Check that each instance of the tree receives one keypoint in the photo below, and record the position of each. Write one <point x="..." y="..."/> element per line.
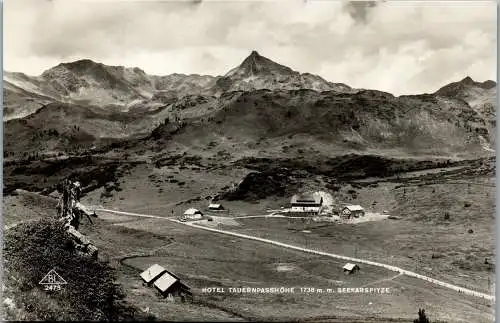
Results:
<point x="422" y="318"/>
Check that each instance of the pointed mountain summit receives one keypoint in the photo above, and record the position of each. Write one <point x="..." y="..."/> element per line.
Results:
<point x="256" y="64"/>
<point x="468" y="81"/>
<point x="259" y="72"/>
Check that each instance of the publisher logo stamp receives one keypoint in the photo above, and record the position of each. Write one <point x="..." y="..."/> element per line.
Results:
<point x="52" y="281"/>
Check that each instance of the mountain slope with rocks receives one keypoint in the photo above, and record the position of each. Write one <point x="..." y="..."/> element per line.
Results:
<point x="117" y="87"/>
<point x="90" y="83"/>
<point x="331" y="121"/>
<point x="481" y="96"/>
<point x="258" y="103"/>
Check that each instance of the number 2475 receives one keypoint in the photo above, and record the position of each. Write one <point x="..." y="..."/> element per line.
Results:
<point x="54" y="287"/>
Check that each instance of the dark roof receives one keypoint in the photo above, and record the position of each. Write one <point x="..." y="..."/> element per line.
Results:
<point x="307" y="198"/>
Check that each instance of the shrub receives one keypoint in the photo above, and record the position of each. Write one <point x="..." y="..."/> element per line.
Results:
<point x="32" y="250"/>
<point x="422" y="318"/>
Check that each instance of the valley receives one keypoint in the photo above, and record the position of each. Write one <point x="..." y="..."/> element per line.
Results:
<point x="250" y="140"/>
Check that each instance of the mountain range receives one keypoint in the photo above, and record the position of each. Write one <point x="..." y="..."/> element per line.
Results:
<point x="83" y="104"/>
<point x="88" y="82"/>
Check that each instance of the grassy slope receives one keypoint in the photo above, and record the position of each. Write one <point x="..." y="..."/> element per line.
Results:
<point x="203" y="259"/>
<point x="32" y="250"/>
<point x="92" y="286"/>
<point x="432" y="236"/>
<point x="409" y="242"/>
<point x="216" y="265"/>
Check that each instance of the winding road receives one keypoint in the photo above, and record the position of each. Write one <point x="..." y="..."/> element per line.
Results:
<point x="317" y="252"/>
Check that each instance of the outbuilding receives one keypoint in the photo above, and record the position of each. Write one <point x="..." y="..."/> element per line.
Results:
<point x="349" y="211"/>
<point x="168" y="283"/>
<point x="215" y="207"/>
<point x="350" y="268"/>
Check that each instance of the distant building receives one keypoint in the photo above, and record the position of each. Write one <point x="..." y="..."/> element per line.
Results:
<point x="152" y="273"/>
<point x="215" y="207"/>
<point x="350" y="268"/>
<point x="306" y="203"/>
<point x="350" y="211"/>
<point x="168" y="283"/>
<point x="193" y="214"/>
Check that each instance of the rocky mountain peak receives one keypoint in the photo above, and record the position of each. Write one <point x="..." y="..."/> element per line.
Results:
<point x="468" y="81"/>
<point x="256" y="64"/>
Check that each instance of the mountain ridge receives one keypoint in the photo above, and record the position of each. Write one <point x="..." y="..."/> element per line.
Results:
<point x="87" y="81"/>
<point x="259" y="101"/>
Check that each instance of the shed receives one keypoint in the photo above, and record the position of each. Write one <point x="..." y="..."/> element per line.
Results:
<point x="350" y="268"/>
<point x="168" y="283"/>
<point x="214" y="206"/>
<point x="353" y="211"/>
<point x="152" y="273"/>
<point x="193" y="213"/>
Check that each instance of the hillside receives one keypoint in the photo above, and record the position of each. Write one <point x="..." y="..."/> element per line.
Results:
<point x="260" y="105"/>
<point x="481" y="96"/>
<point x="20" y="97"/>
<point x="330" y="121"/>
<point x="61" y="127"/>
<point x="91" y="292"/>
<point x="92" y="83"/>
<point x="470" y="91"/>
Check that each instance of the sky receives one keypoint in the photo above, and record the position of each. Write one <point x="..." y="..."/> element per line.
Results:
<point x="402" y="47"/>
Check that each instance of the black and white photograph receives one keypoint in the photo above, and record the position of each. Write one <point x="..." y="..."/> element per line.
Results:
<point x="249" y="160"/>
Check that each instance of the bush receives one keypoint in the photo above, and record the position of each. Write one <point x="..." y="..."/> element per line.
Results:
<point x="422" y="318"/>
<point x="32" y="250"/>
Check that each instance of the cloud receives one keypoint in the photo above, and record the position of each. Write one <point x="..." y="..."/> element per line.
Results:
<point x="399" y="47"/>
<point x="359" y="10"/>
